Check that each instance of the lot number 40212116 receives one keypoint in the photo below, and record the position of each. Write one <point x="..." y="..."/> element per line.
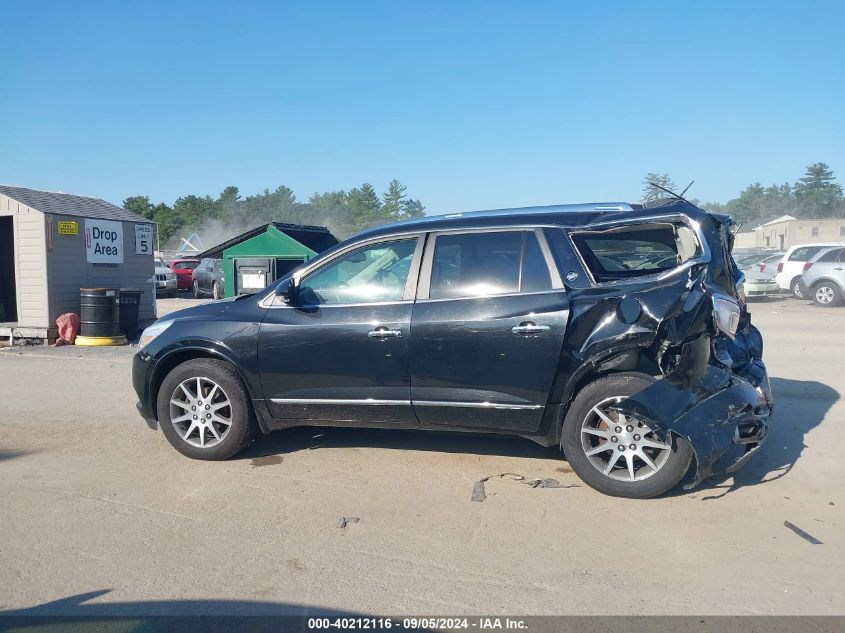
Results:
<point x="143" y="239"/>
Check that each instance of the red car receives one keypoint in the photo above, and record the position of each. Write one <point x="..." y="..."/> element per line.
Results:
<point x="183" y="269"/>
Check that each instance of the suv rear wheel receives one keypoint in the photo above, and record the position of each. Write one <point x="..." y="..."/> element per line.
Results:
<point x="826" y="294"/>
<point x="196" y="289"/>
<point x="796" y="288"/>
<point x="204" y="410"/>
<point x="215" y="291"/>
<point x="616" y="454"/>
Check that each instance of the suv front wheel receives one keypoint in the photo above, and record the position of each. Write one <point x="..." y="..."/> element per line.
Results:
<point x="204" y="410"/>
<point x="616" y="454"/>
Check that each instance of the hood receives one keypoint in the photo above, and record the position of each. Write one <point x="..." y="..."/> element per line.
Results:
<point x="209" y="309"/>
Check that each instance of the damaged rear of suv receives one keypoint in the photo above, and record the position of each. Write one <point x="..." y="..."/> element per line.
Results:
<point x="616" y="332"/>
<point x="662" y="319"/>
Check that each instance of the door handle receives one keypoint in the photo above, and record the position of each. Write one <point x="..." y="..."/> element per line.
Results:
<point x="838" y="268"/>
<point x="527" y="327"/>
<point x="383" y="332"/>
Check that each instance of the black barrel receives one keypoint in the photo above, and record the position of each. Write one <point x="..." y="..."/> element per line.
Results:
<point x="129" y="301"/>
<point x="98" y="313"/>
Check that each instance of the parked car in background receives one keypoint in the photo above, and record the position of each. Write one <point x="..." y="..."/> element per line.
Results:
<point x="207" y="278"/>
<point x="617" y="333"/>
<point x="184" y="269"/>
<point x="823" y="279"/>
<point x="791" y="268"/>
<point x="757" y="284"/>
<point x="770" y="264"/>
<point x="748" y="261"/>
<point x="166" y="281"/>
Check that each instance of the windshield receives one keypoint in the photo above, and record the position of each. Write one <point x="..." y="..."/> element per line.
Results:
<point x="185" y="265"/>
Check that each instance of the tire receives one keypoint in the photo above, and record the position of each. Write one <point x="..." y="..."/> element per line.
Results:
<point x="196" y="287"/>
<point x="795" y="288"/>
<point x="242" y="426"/>
<point x="826" y="294"/>
<point x="215" y="291"/>
<point x="672" y="460"/>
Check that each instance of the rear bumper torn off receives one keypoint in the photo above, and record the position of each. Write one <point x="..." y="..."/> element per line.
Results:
<point x="723" y="416"/>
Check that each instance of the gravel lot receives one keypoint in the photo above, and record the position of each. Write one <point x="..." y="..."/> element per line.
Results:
<point x="98" y="510"/>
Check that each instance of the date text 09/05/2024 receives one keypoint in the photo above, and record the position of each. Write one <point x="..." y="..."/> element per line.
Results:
<point x="413" y="624"/>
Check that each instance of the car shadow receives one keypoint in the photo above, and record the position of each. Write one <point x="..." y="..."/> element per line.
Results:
<point x="5" y="454"/>
<point x="800" y="406"/>
<point x="312" y="437"/>
<point x="77" y="613"/>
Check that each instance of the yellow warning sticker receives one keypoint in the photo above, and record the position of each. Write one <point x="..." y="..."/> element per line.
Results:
<point x="68" y="228"/>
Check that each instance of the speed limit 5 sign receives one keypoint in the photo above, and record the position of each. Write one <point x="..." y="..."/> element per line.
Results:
<point x="143" y="239"/>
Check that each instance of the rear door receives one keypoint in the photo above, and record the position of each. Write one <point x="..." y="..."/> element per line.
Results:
<point x="487" y="330"/>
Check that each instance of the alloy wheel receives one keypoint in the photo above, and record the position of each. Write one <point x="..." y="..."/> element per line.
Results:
<point x="622" y="447"/>
<point x="824" y="295"/>
<point x="201" y="412"/>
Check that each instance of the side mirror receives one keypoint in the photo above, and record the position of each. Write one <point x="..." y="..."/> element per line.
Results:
<point x="289" y="290"/>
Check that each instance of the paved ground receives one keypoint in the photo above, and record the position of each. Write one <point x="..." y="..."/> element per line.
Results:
<point x="92" y="502"/>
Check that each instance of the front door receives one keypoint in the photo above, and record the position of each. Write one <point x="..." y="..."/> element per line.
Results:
<point x="487" y="330"/>
<point x="342" y="353"/>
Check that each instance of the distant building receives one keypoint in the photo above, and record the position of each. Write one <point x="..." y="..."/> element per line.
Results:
<point x="747" y="237"/>
<point x="786" y="232"/>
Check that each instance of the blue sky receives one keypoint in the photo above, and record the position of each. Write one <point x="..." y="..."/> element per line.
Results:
<point x="471" y="104"/>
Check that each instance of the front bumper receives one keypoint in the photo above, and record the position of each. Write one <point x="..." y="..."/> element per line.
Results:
<point x="141" y="382"/>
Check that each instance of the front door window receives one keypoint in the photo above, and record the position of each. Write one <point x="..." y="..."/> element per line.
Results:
<point x="371" y="274"/>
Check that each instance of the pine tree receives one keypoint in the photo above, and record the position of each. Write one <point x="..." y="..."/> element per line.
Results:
<point x="818" y="192"/>
<point x="652" y="193"/>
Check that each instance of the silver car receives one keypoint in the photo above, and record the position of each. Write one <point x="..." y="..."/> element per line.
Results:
<point x="823" y="278"/>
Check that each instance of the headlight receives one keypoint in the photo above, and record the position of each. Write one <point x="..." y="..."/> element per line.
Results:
<point x="726" y="314"/>
<point x="152" y="332"/>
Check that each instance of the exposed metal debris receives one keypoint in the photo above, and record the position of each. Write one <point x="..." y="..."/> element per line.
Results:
<point x="479" y="494"/>
<point x="344" y="521"/>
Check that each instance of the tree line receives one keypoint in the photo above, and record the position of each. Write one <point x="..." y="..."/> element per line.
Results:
<point x="343" y="212"/>
<point x="817" y="194"/>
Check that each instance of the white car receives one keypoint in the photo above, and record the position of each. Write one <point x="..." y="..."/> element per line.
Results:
<point x="165" y="280"/>
<point x="792" y="266"/>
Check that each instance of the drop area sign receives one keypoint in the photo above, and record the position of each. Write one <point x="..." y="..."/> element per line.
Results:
<point x="104" y="241"/>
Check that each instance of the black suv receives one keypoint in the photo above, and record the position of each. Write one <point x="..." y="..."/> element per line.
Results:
<point x="616" y="332"/>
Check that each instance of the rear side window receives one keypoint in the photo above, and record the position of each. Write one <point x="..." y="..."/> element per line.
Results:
<point x="804" y="253"/>
<point x="637" y="250"/>
<point x="490" y="263"/>
<point x="832" y="256"/>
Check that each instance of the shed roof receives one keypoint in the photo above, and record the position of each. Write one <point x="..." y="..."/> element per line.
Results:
<point x="68" y="204"/>
<point x="317" y="238"/>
